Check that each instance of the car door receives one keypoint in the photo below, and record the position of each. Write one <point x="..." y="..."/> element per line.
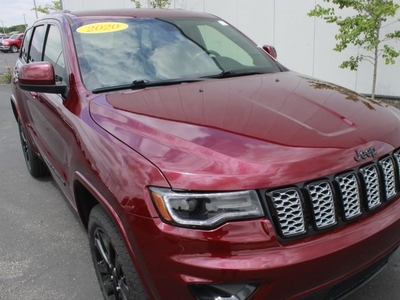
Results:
<point x="47" y="113"/>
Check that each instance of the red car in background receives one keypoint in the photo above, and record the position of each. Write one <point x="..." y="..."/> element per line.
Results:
<point x="13" y="43"/>
<point x="200" y="166"/>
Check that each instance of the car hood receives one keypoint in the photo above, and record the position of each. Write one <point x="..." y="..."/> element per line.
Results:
<point x="248" y="132"/>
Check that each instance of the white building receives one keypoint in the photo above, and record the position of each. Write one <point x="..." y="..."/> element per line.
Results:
<point x="304" y="44"/>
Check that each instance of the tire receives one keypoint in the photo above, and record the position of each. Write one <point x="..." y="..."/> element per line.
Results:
<point x="14" y="49"/>
<point x="115" y="272"/>
<point x="35" y="165"/>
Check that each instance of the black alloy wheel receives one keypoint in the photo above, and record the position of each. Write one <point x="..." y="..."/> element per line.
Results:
<point x="112" y="275"/>
<point x="35" y="165"/>
<point x="117" y="277"/>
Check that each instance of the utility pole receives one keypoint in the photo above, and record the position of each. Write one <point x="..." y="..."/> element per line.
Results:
<point x="2" y="25"/>
<point x="24" y="21"/>
<point x="34" y="5"/>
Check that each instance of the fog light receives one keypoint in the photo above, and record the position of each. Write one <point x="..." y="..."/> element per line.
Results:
<point x="223" y="291"/>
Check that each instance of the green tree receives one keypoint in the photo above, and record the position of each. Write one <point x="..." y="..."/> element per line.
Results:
<point x="153" y="3"/>
<point x="363" y="29"/>
<point x="48" y="8"/>
<point x="18" y="28"/>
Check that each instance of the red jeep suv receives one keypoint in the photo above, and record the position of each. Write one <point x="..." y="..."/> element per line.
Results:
<point x="200" y="166"/>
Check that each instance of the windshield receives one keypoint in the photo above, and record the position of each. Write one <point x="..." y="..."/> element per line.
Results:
<point x="122" y="51"/>
<point x="13" y="37"/>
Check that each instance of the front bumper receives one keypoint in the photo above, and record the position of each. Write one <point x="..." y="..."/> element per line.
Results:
<point x="4" y="48"/>
<point x="169" y="259"/>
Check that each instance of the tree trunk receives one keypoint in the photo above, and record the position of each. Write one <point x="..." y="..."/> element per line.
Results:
<point x="375" y="72"/>
<point x="376" y="56"/>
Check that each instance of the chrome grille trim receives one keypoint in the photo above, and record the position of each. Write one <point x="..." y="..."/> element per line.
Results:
<point x="397" y="158"/>
<point x="372" y="186"/>
<point x="327" y="203"/>
<point x="322" y="202"/>
<point x="389" y="176"/>
<point x="350" y="195"/>
<point x="289" y="211"/>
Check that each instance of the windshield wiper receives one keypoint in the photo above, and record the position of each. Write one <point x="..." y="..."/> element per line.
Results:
<point x="143" y="83"/>
<point x="227" y="74"/>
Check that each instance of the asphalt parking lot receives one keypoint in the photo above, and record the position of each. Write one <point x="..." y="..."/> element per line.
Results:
<point x="7" y="60"/>
<point x="44" y="252"/>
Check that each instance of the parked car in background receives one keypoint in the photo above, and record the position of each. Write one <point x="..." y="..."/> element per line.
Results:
<point x="12" y="44"/>
<point x="200" y="166"/>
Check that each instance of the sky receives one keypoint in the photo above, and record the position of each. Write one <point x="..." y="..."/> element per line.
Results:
<point x="12" y="11"/>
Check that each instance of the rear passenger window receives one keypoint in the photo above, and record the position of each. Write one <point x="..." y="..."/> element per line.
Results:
<point x="53" y="52"/>
<point x="37" y="44"/>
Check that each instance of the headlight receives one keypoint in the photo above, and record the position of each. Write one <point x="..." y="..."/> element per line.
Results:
<point x="6" y="43"/>
<point x="205" y="210"/>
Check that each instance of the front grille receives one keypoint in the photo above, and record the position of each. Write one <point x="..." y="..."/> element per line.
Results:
<point x="350" y="191"/>
<point x="289" y="211"/>
<point x="339" y="198"/>
<point x="321" y="195"/>
<point x="388" y="171"/>
<point x="372" y="186"/>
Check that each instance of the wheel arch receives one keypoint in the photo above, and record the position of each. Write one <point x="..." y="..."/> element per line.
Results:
<point x="85" y="201"/>
<point x="16" y="45"/>
<point x="86" y="198"/>
<point x="14" y="108"/>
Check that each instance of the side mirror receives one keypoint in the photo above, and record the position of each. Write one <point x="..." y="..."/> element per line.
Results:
<point x="39" y="77"/>
<point x="270" y="50"/>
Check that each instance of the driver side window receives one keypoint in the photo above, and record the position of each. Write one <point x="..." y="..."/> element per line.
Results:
<point x="53" y="53"/>
<point x="35" y="52"/>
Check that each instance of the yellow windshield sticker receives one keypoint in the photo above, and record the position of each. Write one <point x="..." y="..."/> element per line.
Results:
<point x="102" y="27"/>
